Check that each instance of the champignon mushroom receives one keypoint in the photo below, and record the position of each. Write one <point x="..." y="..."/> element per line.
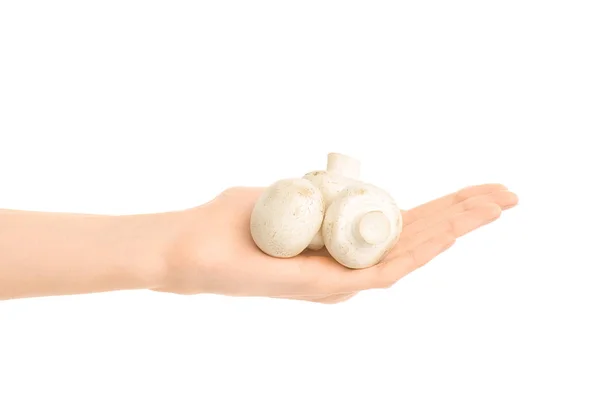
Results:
<point x="343" y="165"/>
<point x="342" y="171"/>
<point x="361" y="225"/>
<point x="286" y="217"/>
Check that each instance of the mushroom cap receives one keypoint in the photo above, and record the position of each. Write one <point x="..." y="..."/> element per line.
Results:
<point x="361" y="226"/>
<point x="286" y="217"/>
<point x="317" y="242"/>
<point x="330" y="185"/>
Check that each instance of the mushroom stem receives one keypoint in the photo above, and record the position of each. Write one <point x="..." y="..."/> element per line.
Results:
<point x="373" y="228"/>
<point x="343" y="165"/>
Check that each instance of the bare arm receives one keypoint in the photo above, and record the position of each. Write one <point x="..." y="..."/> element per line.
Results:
<point x="59" y="254"/>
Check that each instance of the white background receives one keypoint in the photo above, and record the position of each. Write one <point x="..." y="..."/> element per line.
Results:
<point x="140" y="106"/>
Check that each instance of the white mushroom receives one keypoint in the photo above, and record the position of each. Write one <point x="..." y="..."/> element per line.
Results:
<point x="346" y="166"/>
<point x="361" y="226"/>
<point x="286" y="217"/>
<point x="342" y="171"/>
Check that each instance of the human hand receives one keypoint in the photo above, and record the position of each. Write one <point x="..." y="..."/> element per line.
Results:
<point x="213" y="251"/>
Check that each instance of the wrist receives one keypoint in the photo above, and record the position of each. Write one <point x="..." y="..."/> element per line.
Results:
<point x="189" y="252"/>
<point x="150" y="238"/>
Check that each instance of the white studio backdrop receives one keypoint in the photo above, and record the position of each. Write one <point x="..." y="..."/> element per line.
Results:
<point x="128" y="106"/>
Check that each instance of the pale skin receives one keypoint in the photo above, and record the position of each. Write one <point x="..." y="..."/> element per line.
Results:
<point x="208" y="249"/>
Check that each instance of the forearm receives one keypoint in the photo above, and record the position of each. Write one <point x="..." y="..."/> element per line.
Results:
<point x="58" y="254"/>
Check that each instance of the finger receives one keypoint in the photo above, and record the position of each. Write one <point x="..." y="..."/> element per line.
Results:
<point x="388" y="272"/>
<point x="444" y="202"/>
<point x="457" y="226"/>
<point x="504" y="198"/>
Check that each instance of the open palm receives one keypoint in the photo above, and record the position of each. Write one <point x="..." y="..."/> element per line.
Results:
<point x="216" y="254"/>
